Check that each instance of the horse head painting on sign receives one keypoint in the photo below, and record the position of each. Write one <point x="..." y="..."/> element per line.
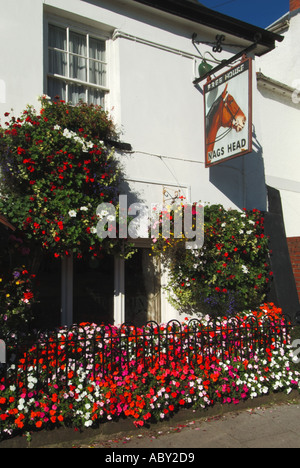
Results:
<point x="225" y="112"/>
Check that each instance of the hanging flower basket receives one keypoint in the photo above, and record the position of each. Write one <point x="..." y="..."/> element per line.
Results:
<point x="56" y="170"/>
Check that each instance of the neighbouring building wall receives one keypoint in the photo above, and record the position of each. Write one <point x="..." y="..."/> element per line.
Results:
<point x="278" y="78"/>
<point x="283" y="63"/>
<point x="281" y="142"/>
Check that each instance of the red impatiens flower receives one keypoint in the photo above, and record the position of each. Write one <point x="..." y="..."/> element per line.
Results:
<point x="21" y="150"/>
<point x="27" y="296"/>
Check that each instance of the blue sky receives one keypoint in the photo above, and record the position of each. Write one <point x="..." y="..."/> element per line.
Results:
<point x="258" y="12"/>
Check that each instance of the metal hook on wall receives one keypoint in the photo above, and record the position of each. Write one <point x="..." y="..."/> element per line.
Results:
<point x="218" y="47"/>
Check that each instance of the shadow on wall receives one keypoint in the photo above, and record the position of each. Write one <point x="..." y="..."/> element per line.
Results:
<point x="242" y="180"/>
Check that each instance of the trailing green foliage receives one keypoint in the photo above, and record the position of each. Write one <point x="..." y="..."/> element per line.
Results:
<point x="231" y="273"/>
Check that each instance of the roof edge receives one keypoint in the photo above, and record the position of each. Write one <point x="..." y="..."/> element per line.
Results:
<point x="203" y="15"/>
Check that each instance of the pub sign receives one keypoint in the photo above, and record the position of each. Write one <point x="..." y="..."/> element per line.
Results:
<point x="228" y="114"/>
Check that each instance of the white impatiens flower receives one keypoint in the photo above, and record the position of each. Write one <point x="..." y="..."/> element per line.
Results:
<point x="69" y="134"/>
<point x="245" y="269"/>
<point x="73" y="135"/>
<point x="45" y="97"/>
<point x="72" y="214"/>
<point x="84" y="208"/>
<point x="21" y="404"/>
<point x="103" y="214"/>
<point x="86" y="146"/>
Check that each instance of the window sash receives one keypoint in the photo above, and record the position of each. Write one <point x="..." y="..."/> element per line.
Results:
<point x="76" y="65"/>
<point x="66" y="90"/>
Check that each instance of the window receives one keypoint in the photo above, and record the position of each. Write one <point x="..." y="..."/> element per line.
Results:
<point x="77" y="67"/>
<point x="93" y="290"/>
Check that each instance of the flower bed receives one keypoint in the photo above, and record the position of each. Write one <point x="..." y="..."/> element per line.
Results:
<point x="78" y="393"/>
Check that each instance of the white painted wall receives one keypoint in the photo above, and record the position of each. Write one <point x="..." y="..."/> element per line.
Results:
<point x="21" y="39"/>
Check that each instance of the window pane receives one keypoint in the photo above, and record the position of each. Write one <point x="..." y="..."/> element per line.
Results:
<point x="57" y="37"/>
<point x="57" y="62"/>
<point x="78" y="44"/>
<point x="97" y="49"/>
<point x="94" y="290"/>
<point x="76" y="93"/>
<point x="56" y="88"/>
<point x="142" y="289"/>
<point x="97" y="73"/>
<point x="48" y="308"/>
<point x="96" y="97"/>
<point x="78" y="68"/>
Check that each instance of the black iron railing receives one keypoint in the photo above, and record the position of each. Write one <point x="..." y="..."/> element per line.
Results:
<point x="54" y="358"/>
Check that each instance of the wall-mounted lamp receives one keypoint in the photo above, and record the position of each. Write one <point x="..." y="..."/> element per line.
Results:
<point x="204" y="68"/>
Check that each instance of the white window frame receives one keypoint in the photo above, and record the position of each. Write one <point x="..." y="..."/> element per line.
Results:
<point x="87" y="31"/>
